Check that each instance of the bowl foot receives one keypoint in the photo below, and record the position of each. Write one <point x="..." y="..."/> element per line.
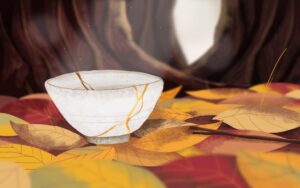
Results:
<point x="109" y="140"/>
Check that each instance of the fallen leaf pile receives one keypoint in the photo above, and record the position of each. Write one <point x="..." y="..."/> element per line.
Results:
<point x="182" y="144"/>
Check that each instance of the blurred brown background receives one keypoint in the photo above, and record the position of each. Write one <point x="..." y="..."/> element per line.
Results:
<point x="46" y="38"/>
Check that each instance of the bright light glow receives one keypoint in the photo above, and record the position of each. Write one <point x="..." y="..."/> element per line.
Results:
<point x="195" y="22"/>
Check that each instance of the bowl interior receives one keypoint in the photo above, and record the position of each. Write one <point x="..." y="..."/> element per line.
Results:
<point x="103" y="79"/>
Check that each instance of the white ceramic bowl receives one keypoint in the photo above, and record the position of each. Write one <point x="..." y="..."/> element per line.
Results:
<point x="119" y="104"/>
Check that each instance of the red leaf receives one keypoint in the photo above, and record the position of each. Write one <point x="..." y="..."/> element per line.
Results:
<point x="4" y="100"/>
<point x="37" y="111"/>
<point x="203" y="171"/>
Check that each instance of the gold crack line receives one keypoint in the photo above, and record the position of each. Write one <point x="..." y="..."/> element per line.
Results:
<point x="130" y="116"/>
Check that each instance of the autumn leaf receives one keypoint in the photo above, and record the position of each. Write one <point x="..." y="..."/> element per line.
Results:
<point x="294" y="94"/>
<point x="172" y="139"/>
<point x="87" y="153"/>
<point x="270" y="169"/>
<point x="152" y="125"/>
<point x="36" y="96"/>
<point x="202" y="120"/>
<point x="48" y="137"/>
<point x="218" y="93"/>
<point x="5" y="126"/>
<point x="275" y="88"/>
<point x="188" y="105"/>
<point x="129" y="154"/>
<point x="190" y="152"/>
<point x="13" y="176"/>
<point x="221" y="144"/>
<point x="198" y="107"/>
<point x="170" y="94"/>
<point x="93" y="173"/>
<point x="37" y="111"/>
<point x="294" y="106"/>
<point x="166" y="113"/>
<point x="256" y="118"/>
<point x="201" y="171"/>
<point x="4" y="100"/>
<point x="28" y="157"/>
<point x="266" y="99"/>
<point x="167" y="103"/>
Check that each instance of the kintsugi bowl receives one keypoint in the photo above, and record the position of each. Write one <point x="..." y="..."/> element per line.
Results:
<point x="117" y="103"/>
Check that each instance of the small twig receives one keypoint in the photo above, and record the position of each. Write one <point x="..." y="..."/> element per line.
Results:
<point x="206" y="131"/>
<point x="84" y="84"/>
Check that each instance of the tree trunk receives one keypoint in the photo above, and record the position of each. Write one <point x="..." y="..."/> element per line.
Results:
<point x="43" y="39"/>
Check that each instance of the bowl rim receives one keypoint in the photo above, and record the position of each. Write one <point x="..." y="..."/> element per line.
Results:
<point x="158" y="79"/>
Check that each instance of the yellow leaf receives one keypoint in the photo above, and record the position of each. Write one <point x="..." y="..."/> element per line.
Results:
<point x="217" y="94"/>
<point x="29" y="157"/>
<point x="172" y="139"/>
<point x="256" y="118"/>
<point x="48" y="137"/>
<point x="132" y="155"/>
<point x="94" y="174"/>
<point x="199" y="108"/>
<point x="5" y="127"/>
<point x="270" y="169"/>
<point x="170" y="94"/>
<point x="152" y="125"/>
<point x="188" y="105"/>
<point x="87" y="153"/>
<point x="294" y="94"/>
<point x="166" y="113"/>
<point x="190" y="151"/>
<point x="13" y="176"/>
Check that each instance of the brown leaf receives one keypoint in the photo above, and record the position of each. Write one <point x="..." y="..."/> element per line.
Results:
<point x="153" y="125"/>
<point x="48" y="137"/>
<point x="202" y="120"/>
<point x="222" y="144"/>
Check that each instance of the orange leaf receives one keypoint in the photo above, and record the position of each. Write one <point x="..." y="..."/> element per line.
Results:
<point x="36" y="96"/>
<point x="167" y="113"/>
<point x="170" y="94"/>
<point x="132" y="155"/>
<point x="87" y="153"/>
<point x="172" y="139"/>
<point x="218" y="94"/>
<point x="270" y="169"/>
